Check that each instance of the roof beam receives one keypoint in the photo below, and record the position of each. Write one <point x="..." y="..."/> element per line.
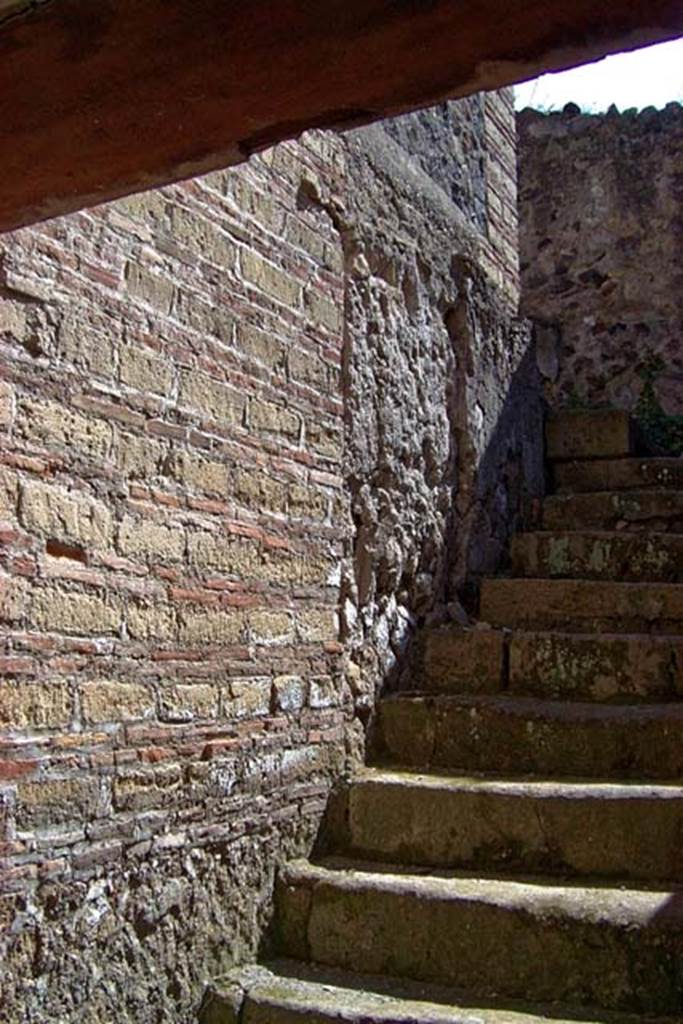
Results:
<point x="100" y="98"/>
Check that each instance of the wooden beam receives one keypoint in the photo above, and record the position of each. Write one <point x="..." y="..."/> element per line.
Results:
<point x="100" y="98"/>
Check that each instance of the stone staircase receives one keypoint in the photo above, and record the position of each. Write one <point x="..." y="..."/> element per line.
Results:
<point x="516" y="853"/>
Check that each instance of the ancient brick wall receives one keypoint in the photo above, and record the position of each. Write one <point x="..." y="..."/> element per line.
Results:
<point x="191" y="646"/>
<point x="601" y="253"/>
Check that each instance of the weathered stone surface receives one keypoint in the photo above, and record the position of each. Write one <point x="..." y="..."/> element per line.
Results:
<point x="634" y="937"/>
<point x="599" y="829"/>
<point x="519" y="735"/>
<point x="596" y="667"/>
<point x="599" y="555"/>
<point x="583" y="605"/>
<point x="601" y="434"/>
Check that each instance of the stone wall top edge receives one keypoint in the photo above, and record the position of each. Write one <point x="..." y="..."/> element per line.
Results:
<point x="572" y="114"/>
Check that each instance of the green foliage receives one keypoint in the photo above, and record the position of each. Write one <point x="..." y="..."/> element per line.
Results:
<point x="661" y="431"/>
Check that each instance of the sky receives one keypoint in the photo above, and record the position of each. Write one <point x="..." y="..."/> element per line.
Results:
<point x="651" y="77"/>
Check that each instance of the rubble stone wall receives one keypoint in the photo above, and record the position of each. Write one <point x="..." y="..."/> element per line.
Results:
<point x="236" y="414"/>
<point x="602" y="257"/>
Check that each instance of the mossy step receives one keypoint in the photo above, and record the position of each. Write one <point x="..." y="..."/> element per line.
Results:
<point x="618" y="474"/>
<point x="584" y="434"/>
<point x="289" y="992"/>
<point x="603" y="555"/>
<point x="511" y="735"/>
<point x="659" y="511"/>
<point x="583" y="605"/>
<point x="589" y="945"/>
<point x="596" y="667"/>
<point x="606" y="829"/>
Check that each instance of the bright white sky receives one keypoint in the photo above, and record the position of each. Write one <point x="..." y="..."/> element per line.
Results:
<point x="651" y="77"/>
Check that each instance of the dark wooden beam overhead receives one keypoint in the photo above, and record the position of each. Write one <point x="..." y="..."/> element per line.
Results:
<point x="99" y="98"/>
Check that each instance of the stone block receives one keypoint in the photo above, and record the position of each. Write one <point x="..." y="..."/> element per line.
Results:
<point x="307" y="502"/>
<point x="186" y="702"/>
<point x="324" y="311"/>
<point x="260" y="492"/>
<point x="153" y="289"/>
<point x="114" y="701"/>
<point x="270" y="418"/>
<point x="7" y="404"/>
<point x="317" y="625"/>
<point x="270" y="626"/>
<point x="32" y="705"/>
<point x="52" y="425"/>
<point x="237" y="556"/>
<point x="202" y="237"/>
<point x="250" y="698"/>
<point x="260" y="345"/>
<point x="145" y="370"/>
<point x="276" y="283"/>
<point x="141" y="538"/>
<point x="213" y="399"/>
<point x="13" y="598"/>
<point x="59" y="611"/>
<point x="49" y="802"/>
<point x="289" y="694"/>
<point x="81" y="342"/>
<point x="197" y="474"/>
<point x="156" y="622"/>
<point x="69" y="516"/>
<point x="136" y="456"/>
<point x="211" y="627"/>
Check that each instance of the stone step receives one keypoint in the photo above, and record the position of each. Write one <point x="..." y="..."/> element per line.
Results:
<point x="618" y="474"/>
<point x="595" y="434"/>
<point x="615" y="555"/>
<point x="524" y="736"/>
<point x="463" y="660"/>
<point x="657" y="511"/>
<point x="596" y="667"/>
<point x="603" y="829"/>
<point x="289" y="991"/>
<point x="619" y="949"/>
<point x="578" y="666"/>
<point x="583" y="605"/>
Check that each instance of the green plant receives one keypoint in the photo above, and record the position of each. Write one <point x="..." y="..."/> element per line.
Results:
<point x="661" y="431"/>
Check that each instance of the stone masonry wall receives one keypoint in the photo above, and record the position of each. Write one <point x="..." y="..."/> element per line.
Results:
<point x="602" y="257"/>
<point x="256" y="429"/>
<point x="443" y="413"/>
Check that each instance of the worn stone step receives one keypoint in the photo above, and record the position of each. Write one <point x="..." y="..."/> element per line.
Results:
<point x="522" y="735"/>
<point x="583" y="605"/>
<point x="463" y="660"/>
<point x="618" y="474"/>
<point x="606" y="829"/>
<point x="619" y="949"/>
<point x="595" y="434"/>
<point x="288" y="991"/>
<point x="596" y="667"/>
<point x="657" y="511"/>
<point x="608" y="555"/>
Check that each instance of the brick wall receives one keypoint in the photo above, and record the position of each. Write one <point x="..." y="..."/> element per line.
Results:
<point x="183" y="432"/>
